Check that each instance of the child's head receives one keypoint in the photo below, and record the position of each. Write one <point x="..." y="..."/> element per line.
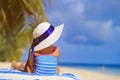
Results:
<point x="45" y="35"/>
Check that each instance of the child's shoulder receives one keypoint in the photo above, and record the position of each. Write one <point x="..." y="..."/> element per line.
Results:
<point x="56" y="48"/>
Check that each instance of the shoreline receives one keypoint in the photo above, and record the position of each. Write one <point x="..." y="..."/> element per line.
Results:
<point x="83" y="74"/>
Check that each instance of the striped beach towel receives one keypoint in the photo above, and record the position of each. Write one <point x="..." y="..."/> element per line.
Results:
<point x="10" y="74"/>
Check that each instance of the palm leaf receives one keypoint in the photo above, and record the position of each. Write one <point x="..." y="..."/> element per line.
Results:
<point x="17" y="21"/>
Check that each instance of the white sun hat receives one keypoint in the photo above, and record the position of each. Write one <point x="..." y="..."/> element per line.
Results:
<point x="45" y="35"/>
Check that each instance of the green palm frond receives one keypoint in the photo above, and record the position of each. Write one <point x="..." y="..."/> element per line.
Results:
<point x="17" y="21"/>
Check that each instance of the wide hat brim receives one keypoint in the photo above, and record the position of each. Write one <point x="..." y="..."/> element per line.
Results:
<point x="51" y="39"/>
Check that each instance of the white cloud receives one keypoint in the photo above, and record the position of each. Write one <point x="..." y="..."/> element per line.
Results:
<point x="77" y="8"/>
<point x="74" y="6"/>
<point x="80" y="38"/>
<point x="91" y="29"/>
<point x="117" y="28"/>
<point x="107" y="25"/>
<point x="99" y="30"/>
<point x="96" y="24"/>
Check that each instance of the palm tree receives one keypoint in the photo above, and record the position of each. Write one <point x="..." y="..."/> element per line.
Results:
<point x="17" y="20"/>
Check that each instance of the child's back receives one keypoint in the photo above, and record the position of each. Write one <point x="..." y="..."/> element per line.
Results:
<point x="45" y="65"/>
<point x="46" y="62"/>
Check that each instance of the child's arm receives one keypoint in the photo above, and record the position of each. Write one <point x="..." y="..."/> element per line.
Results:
<point x="30" y="64"/>
<point x="57" y="70"/>
<point x="57" y="53"/>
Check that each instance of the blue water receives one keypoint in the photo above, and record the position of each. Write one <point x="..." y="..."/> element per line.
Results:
<point x="107" y="69"/>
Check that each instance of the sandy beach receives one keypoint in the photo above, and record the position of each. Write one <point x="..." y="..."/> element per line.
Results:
<point x="81" y="73"/>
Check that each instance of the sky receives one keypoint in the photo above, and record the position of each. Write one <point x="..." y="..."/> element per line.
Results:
<point x="91" y="32"/>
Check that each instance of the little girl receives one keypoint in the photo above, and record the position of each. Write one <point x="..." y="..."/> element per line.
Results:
<point x="43" y="56"/>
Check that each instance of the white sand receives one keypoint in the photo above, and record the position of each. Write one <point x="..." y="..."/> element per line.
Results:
<point x="90" y="75"/>
<point x="81" y="73"/>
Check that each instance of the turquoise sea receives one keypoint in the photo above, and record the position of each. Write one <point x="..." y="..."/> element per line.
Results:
<point x="107" y="69"/>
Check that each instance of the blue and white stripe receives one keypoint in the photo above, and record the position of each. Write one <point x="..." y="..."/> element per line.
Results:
<point x="45" y="65"/>
<point x="10" y="74"/>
